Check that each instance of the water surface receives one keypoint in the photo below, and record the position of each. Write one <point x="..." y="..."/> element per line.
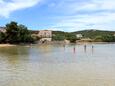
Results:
<point x="58" y="65"/>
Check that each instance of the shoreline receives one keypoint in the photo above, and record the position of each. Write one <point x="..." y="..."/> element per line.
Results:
<point x="7" y="45"/>
<point x="79" y="43"/>
<point x="95" y="43"/>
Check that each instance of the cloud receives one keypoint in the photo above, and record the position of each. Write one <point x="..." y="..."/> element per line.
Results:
<point x="76" y="6"/>
<point x="6" y="8"/>
<point x="80" y="22"/>
<point x="68" y="15"/>
<point x="86" y="14"/>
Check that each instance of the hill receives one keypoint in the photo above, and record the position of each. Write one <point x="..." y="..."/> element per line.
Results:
<point x="94" y="33"/>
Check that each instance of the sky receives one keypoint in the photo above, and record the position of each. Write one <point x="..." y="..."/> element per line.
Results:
<point x="64" y="15"/>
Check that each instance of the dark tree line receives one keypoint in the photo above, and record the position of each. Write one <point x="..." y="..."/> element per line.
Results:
<point x="16" y="34"/>
<point x="60" y="36"/>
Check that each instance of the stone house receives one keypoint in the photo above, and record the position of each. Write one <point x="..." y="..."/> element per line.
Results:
<point x="45" y="34"/>
<point x="79" y="36"/>
<point x="2" y="29"/>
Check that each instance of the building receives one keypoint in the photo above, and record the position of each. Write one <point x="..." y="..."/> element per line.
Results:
<point x="2" y="29"/>
<point x="79" y="35"/>
<point x="45" y="34"/>
<point x="46" y="39"/>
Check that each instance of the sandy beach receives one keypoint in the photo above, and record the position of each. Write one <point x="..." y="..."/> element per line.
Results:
<point x="6" y="45"/>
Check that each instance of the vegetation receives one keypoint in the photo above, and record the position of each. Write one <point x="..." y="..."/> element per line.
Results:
<point x="108" y="38"/>
<point x="71" y="37"/>
<point x="95" y="35"/>
<point x="16" y="34"/>
<point x="2" y="37"/>
<point x="60" y="36"/>
<point x="92" y="34"/>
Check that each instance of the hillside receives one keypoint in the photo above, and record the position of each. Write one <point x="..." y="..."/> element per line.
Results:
<point x="94" y="33"/>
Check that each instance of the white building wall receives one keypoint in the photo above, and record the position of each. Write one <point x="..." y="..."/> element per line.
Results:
<point x="45" y="34"/>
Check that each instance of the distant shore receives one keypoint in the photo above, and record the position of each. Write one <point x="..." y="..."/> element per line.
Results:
<point x="95" y="42"/>
<point x="61" y="42"/>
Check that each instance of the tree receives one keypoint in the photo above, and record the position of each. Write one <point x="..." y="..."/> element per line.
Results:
<point x="58" y="37"/>
<point x="12" y="32"/>
<point x="24" y="34"/>
<point x="108" y="38"/>
<point x="17" y="33"/>
<point x="71" y="37"/>
<point x="98" y="39"/>
<point x="2" y="37"/>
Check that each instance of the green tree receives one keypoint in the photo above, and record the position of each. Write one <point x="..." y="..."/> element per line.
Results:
<point x="2" y="37"/>
<point x="24" y="34"/>
<point x="17" y="33"/>
<point x="108" y="38"/>
<point x="98" y="39"/>
<point x="58" y="37"/>
<point x="12" y="32"/>
<point x="71" y="37"/>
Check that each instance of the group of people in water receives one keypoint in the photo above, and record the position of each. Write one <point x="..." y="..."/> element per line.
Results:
<point x="85" y="48"/>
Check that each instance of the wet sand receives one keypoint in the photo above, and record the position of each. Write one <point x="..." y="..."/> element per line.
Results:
<point x="6" y="45"/>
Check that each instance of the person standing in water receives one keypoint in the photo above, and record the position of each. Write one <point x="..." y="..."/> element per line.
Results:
<point x="74" y="49"/>
<point x="85" y="48"/>
<point x="64" y="46"/>
<point x="92" y="49"/>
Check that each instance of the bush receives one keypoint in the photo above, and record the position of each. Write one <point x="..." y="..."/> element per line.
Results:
<point x="18" y="33"/>
<point x="108" y="38"/>
<point x="71" y="37"/>
<point x="2" y="37"/>
<point x="58" y="37"/>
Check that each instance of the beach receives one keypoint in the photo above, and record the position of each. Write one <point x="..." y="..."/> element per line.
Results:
<point x="6" y="45"/>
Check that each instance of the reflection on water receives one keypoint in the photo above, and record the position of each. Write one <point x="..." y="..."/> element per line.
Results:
<point x="58" y="65"/>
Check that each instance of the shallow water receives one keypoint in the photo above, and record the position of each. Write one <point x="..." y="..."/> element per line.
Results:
<point x="58" y="65"/>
